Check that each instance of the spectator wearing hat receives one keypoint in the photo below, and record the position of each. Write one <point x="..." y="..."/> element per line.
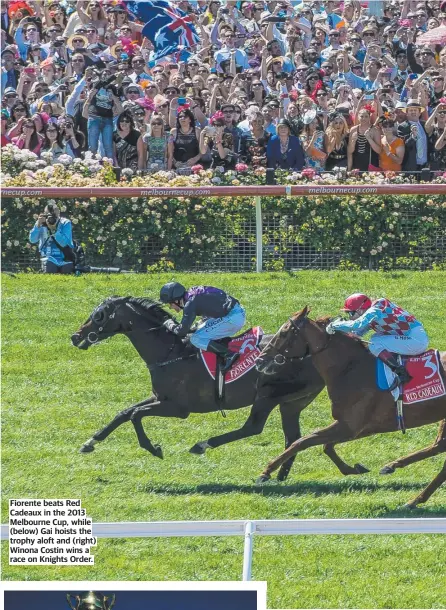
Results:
<point x="284" y="151"/>
<point x="10" y="97"/>
<point x="427" y="56"/>
<point x="414" y="136"/>
<point x="313" y="140"/>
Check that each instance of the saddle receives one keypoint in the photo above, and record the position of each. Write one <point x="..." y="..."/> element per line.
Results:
<point x="246" y="345"/>
<point x="426" y="381"/>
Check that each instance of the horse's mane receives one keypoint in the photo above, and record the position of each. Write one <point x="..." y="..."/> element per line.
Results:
<point x="325" y="320"/>
<point x="150" y="306"/>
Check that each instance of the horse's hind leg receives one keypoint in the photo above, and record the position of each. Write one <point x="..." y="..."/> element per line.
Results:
<point x="344" y="468"/>
<point x="438" y="446"/>
<point x="253" y="425"/>
<point x="429" y="490"/>
<point x="338" y="432"/>
<point x="158" y="409"/>
<point x="120" y="419"/>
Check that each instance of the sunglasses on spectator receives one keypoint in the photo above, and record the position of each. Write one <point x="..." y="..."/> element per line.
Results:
<point x="132" y="91"/>
<point x="138" y="61"/>
<point x="91" y="30"/>
<point x="157" y="71"/>
<point x="69" y="125"/>
<point x="335" y="35"/>
<point x="139" y="114"/>
<point x="77" y="61"/>
<point x="163" y="105"/>
<point x="368" y="34"/>
<point x="170" y="91"/>
<point x="202" y="71"/>
<point x="157" y="124"/>
<point x="76" y="40"/>
<point x="29" y="125"/>
<point x="441" y="112"/>
<point x="437" y="78"/>
<point x="31" y="30"/>
<point x="51" y="129"/>
<point x="193" y="65"/>
<point x="11" y="95"/>
<point x="125" y="121"/>
<point x="19" y="110"/>
<point x="152" y="87"/>
<point x="321" y="95"/>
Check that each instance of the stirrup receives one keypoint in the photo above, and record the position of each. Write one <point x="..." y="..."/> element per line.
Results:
<point x="229" y="361"/>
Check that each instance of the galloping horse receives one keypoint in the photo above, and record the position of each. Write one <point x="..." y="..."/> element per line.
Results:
<point x="181" y="384"/>
<point x="359" y="408"/>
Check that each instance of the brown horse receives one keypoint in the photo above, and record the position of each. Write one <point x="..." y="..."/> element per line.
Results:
<point x="359" y="408"/>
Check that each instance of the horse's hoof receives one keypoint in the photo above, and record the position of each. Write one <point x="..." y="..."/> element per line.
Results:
<point x="199" y="448"/>
<point x="86" y="448"/>
<point x="410" y="506"/>
<point x="263" y="479"/>
<point x="159" y="452"/>
<point x="361" y="469"/>
<point x="387" y="470"/>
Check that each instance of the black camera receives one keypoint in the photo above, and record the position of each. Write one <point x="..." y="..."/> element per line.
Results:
<point x="51" y="219"/>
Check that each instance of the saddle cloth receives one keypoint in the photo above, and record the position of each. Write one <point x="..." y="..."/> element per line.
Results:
<point x="247" y="345"/>
<point x="426" y="382"/>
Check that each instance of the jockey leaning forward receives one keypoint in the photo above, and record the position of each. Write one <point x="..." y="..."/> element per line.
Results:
<point x="396" y="330"/>
<point x="224" y="317"/>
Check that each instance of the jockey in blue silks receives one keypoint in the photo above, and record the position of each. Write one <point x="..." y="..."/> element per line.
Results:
<point x="224" y="317"/>
<point x="396" y="330"/>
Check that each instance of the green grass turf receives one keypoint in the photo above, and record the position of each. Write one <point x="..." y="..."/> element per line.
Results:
<point x="55" y="397"/>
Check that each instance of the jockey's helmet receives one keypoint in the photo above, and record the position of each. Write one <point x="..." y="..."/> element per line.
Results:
<point x="171" y="292"/>
<point x="357" y="301"/>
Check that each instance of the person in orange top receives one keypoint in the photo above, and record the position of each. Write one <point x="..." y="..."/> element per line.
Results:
<point x="392" y="148"/>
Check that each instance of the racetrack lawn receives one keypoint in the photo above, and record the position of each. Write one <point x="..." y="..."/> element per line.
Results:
<point x="55" y="397"/>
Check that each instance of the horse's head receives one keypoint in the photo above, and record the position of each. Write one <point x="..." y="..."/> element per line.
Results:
<point x="298" y="338"/>
<point x="119" y="315"/>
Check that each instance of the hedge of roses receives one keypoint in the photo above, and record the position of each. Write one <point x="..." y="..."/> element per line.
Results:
<point x="160" y="234"/>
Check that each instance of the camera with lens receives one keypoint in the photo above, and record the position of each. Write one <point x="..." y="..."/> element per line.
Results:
<point x="51" y="219"/>
<point x="105" y="84"/>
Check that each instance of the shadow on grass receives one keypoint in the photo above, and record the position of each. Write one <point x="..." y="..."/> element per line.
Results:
<point x="315" y="488"/>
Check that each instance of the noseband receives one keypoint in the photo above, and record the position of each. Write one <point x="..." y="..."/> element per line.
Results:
<point x="280" y="359"/>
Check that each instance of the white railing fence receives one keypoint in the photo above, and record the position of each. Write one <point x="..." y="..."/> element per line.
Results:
<point x="251" y="528"/>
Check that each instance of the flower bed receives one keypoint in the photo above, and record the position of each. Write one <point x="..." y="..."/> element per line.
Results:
<point x="219" y="233"/>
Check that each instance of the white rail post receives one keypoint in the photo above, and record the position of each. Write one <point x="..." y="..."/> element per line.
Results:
<point x="259" y="235"/>
<point x="247" y="551"/>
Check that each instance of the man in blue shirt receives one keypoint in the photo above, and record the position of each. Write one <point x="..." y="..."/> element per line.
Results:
<point x="53" y="233"/>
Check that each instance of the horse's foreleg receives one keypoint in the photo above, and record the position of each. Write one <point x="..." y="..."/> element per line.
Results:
<point x="344" y="468"/>
<point x="158" y="409"/>
<point x="438" y="446"/>
<point x="338" y="432"/>
<point x="255" y="423"/>
<point x="290" y="415"/>
<point x="120" y="419"/>
<point x="429" y="490"/>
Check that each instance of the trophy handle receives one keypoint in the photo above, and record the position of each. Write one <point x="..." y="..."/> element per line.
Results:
<point x="112" y="602"/>
<point x="76" y="597"/>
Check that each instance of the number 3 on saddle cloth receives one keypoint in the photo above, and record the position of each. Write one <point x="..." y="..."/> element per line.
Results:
<point x="247" y="345"/>
<point x="426" y="382"/>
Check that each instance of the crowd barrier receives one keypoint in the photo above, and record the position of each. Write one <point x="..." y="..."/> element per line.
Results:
<point x="261" y="230"/>
<point x="251" y="528"/>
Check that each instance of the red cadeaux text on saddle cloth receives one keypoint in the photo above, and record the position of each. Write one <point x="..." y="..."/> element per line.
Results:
<point x="248" y="347"/>
<point x="426" y="381"/>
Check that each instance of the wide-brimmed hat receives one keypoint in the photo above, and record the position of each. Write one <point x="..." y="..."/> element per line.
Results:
<point x="77" y="36"/>
<point x="309" y="116"/>
<point x="401" y="106"/>
<point x="415" y="104"/>
<point x="273" y="60"/>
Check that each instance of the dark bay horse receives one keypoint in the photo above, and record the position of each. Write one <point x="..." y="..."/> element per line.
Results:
<point x="359" y="408"/>
<point x="181" y="385"/>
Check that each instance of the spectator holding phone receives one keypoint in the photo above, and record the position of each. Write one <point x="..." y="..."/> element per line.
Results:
<point x="414" y="136"/>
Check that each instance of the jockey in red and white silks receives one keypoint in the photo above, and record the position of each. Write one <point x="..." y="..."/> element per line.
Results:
<point x="396" y="330"/>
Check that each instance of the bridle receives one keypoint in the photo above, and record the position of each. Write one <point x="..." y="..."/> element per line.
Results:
<point x="280" y="359"/>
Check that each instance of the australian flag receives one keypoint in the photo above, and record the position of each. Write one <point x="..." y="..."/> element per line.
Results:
<point x="166" y="27"/>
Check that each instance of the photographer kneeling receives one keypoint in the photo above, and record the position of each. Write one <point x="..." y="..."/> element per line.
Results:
<point x="54" y="235"/>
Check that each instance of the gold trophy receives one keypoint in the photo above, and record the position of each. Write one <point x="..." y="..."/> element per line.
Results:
<point x="91" y="600"/>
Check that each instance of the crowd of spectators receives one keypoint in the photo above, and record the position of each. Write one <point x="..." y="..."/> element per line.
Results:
<point x="279" y="84"/>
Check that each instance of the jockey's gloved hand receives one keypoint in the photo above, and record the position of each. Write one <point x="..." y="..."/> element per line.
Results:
<point x="169" y="324"/>
<point x="330" y="330"/>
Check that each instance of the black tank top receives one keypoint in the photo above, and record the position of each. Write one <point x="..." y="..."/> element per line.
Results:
<point x="185" y="146"/>
<point x="364" y="155"/>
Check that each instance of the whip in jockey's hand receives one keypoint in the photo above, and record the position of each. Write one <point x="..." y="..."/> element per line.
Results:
<point x="225" y="316"/>
<point x="396" y="330"/>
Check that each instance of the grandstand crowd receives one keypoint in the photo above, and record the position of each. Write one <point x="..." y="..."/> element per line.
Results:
<point x="321" y="84"/>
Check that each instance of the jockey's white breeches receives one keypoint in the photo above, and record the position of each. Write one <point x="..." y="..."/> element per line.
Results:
<point x="412" y="344"/>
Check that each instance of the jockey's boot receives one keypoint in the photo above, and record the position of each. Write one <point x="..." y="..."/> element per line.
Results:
<point x="399" y="369"/>
<point x="221" y="350"/>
